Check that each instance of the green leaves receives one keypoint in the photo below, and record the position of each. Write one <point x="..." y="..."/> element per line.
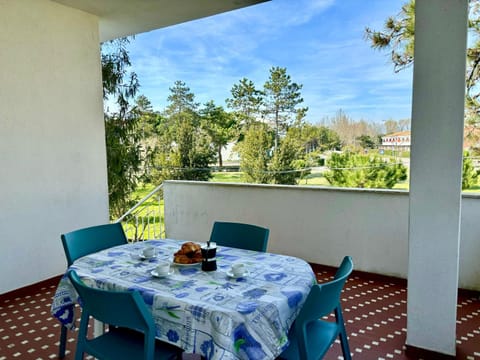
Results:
<point x="221" y="126"/>
<point x="281" y="99"/>
<point x="255" y="153"/>
<point x="123" y="148"/>
<point x="469" y="174"/>
<point x="363" y="171"/>
<point x="185" y="148"/>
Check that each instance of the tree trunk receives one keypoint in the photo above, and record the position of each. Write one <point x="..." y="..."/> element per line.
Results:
<point x="220" y="160"/>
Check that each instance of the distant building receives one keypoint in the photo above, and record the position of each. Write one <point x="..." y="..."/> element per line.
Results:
<point x="399" y="141"/>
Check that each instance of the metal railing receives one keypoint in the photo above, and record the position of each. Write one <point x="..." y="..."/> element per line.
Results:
<point x="146" y="219"/>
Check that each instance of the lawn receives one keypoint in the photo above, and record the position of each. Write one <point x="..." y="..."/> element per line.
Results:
<point x="316" y="178"/>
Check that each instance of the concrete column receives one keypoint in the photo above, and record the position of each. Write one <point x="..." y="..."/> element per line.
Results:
<point x="436" y="166"/>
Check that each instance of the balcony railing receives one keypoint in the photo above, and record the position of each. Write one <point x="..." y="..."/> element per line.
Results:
<point x="146" y="219"/>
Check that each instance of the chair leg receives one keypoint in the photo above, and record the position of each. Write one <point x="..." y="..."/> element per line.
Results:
<point x="345" y="346"/>
<point x="63" y="342"/>
<point x="343" y="333"/>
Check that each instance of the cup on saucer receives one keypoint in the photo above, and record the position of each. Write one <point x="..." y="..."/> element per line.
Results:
<point x="148" y="252"/>
<point x="239" y="269"/>
<point x="163" y="268"/>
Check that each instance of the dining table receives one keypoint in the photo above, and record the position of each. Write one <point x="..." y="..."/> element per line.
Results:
<point x="212" y="313"/>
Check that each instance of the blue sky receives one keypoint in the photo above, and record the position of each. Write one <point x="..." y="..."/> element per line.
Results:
<point x="320" y="42"/>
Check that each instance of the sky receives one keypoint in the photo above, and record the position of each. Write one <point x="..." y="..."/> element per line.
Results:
<point x="321" y="43"/>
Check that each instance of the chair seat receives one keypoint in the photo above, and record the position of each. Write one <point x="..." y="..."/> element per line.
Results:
<point x="320" y="336"/>
<point x="122" y="343"/>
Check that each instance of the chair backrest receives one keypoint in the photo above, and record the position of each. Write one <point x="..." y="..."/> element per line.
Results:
<point x="86" y="241"/>
<point x="238" y="235"/>
<point x="324" y="298"/>
<point x="119" y="308"/>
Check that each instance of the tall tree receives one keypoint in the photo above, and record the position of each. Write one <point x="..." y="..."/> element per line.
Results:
<point x="184" y="150"/>
<point x="255" y="154"/>
<point x="181" y="99"/>
<point x="391" y="126"/>
<point x="282" y="96"/>
<point x="123" y="147"/>
<point x="350" y="130"/>
<point x="288" y="162"/>
<point x="245" y="102"/>
<point x="147" y="125"/>
<point x="220" y="125"/>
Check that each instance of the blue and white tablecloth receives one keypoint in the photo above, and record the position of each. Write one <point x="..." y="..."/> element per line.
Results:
<point x="201" y="312"/>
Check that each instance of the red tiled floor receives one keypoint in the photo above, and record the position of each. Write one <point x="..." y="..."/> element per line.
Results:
<point x="374" y="309"/>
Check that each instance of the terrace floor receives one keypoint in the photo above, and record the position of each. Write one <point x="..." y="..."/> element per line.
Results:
<point x="374" y="308"/>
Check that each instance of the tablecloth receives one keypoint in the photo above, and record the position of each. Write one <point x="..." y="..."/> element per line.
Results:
<point x="202" y="312"/>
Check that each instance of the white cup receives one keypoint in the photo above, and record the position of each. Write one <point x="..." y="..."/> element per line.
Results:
<point x="149" y="251"/>
<point x="238" y="269"/>
<point x="163" y="268"/>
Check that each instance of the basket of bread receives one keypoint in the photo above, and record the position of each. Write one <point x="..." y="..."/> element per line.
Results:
<point x="189" y="253"/>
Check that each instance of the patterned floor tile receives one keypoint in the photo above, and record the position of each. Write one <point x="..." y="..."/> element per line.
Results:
<point x="374" y="307"/>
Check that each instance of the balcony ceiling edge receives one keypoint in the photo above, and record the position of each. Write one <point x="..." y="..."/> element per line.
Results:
<point x="120" y="18"/>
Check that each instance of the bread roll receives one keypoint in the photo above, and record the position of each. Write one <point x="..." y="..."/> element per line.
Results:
<point x="189" y="253"/>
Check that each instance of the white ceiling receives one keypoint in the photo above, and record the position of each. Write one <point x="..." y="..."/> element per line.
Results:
<point x="120" y="18"/>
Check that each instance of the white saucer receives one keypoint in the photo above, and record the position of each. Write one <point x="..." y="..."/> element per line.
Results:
<point x="233" y="276"/>
<point x="143" y="257"/>
<point x="155" y="274"/>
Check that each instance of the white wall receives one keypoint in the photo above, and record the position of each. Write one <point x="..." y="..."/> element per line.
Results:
<point x="320" y="225"/>
<point x="52" y="148"/>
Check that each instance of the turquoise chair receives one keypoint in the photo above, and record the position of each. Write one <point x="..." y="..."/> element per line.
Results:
<point x="131" y="332"/>
<point x="310" y="336"/>
<point x="86" y="241"/>
<point x="238" y="235"/>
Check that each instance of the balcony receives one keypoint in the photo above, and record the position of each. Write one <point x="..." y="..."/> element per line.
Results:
<point x="53" y="156"/>
<point x="320" y="225"/>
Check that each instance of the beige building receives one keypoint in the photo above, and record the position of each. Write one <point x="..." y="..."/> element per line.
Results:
<point x="400" y="141"/>
<point x="396" y="141"/>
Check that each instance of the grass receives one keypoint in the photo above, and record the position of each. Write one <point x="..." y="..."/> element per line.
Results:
<point x="316" y="178"/>
<point x="227" y="177"/>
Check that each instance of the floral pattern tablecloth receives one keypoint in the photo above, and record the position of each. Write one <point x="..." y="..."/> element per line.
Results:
<point x="208" y="313"/>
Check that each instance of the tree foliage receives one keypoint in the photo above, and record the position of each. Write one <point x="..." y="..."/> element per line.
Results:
<point x="363" y="171"/>
<point x="288" y="161"/>
<point x="255" y="154"/>
<point x="221" y="126"/>
<point x="123" y="148"/>
<point x="469" y="174"/>
<point x="245" y="102"/>
<point x="281" y="99"/>
<point x="185" y="149"/>
<point x="349" y="130"/>
<point x="398" y="36"/>
<point x="367" y="142"/>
